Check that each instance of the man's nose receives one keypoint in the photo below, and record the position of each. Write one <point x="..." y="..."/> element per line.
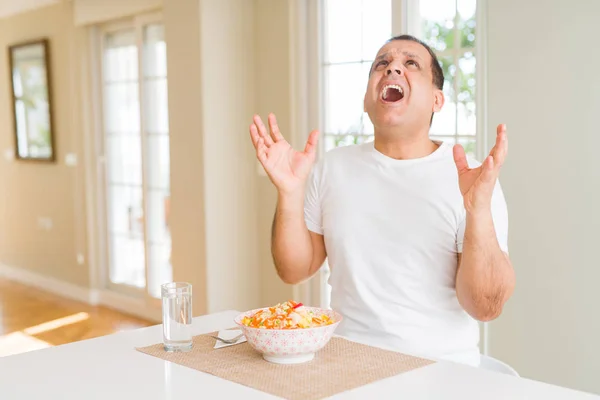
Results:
<point x="396" y="70"/>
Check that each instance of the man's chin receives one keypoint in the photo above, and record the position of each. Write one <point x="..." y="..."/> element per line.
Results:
<point x="389" y="120"/>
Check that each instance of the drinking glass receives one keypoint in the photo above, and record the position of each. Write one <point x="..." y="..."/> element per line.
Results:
<point x="177" y="316"/>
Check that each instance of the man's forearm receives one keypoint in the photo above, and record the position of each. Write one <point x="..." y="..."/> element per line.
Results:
<point x="485" y="278"/>
<point x="291" y="243"/>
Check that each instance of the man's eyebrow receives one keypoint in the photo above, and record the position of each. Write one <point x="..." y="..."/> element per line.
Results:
<point x="412" y="55"/>
<point x="406" y="53"/>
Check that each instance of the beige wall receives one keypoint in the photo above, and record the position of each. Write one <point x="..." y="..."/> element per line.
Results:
<point x="33" y="190"/>
<point x="273" y="95"/>
<point x="543" y="84"/>
<point x="186" y="119"/>
<point x="228" y="97"/>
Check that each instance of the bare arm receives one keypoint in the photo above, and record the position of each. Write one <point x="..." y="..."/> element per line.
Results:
<point x="485" y="278"/>
<point x="297" y="252"/>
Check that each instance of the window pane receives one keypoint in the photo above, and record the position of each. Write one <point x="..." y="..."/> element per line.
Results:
<point x="467" y="123"/>
<point x="158" y="202"/>
<point x="155" y="82"/>
<point x="449" y="69"/>
<point x="345" y="87"/>
<point x="155" y="51"/>
<point x="341" y="43"/>
<point x="125" y="212"/>
<point x="444" y="121"/>
<point x="438" y="23"/>
<point x="159" y="166"/>
<point x="121" y="108"/>
<point x="329" y="142"/>
<point x="124" y="159"/>
<point x="157" y="111"/>
<point x="466" y="24"/>
<point x="367" y="126"/>
<point x="469" y="145"/>
<point x="120" y="56"/>
<point x="127" y="261"/>
<point x="466" y="78"/>
<point x="376" y="26"/>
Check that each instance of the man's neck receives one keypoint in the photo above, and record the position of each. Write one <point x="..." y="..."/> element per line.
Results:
<point x="404" y="147"/>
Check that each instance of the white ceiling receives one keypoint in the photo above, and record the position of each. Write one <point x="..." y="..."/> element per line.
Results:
<point x="12" y="7"/>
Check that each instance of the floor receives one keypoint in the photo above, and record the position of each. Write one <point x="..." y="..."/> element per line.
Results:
<point x="32" y="319"/>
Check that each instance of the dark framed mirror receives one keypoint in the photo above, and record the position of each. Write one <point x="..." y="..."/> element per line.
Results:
<point x="32" y="100"/>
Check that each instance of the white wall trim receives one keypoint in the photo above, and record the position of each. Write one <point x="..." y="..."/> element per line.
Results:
<point x="49" y="284"/>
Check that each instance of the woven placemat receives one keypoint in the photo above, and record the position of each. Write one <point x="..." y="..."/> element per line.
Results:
<point x="341" y="365"/>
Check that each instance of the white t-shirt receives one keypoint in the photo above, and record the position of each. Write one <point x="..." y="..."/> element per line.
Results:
<point x="392" y="231"/>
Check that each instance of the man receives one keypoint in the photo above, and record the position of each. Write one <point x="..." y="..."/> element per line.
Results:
<point x="415" y="235"/>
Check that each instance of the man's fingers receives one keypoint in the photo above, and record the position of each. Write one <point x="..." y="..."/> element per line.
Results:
<point x="261" y="151"/>
<point x="460" y="159"/>
<point x="262" y="131"/>
<point x="275" y="134"/>
<point x="500" y="129"/>
<point x="489" y="174"/>
<point x="254" y="135"/>
<point x="501" y="146"/>
<point x="311" y="143"/>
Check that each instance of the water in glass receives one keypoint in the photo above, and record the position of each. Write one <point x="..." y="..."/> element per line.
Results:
<point x="177" y="316"/>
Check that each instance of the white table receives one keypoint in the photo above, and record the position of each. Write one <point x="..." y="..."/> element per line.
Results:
<point x="109" y="367"/>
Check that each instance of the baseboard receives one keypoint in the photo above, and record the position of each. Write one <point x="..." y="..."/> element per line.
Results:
<point x="49" y="284"/>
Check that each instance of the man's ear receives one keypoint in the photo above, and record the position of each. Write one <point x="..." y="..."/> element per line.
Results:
<point x="438" y="100"/>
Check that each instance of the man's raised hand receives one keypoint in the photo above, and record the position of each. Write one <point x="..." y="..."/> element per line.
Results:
<point x="286" y="167"/>
<point x="477" y="184"/>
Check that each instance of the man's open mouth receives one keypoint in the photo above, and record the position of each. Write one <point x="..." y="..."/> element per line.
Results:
<point x="392" y="93"/>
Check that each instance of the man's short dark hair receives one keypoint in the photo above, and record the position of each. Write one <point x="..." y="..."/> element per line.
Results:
<point x="436" y="69"/>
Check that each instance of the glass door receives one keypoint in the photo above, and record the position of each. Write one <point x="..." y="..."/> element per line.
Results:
<point x="136" y="157"/>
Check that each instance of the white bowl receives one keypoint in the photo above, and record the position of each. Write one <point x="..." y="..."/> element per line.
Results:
<point x="289" y="346"/>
